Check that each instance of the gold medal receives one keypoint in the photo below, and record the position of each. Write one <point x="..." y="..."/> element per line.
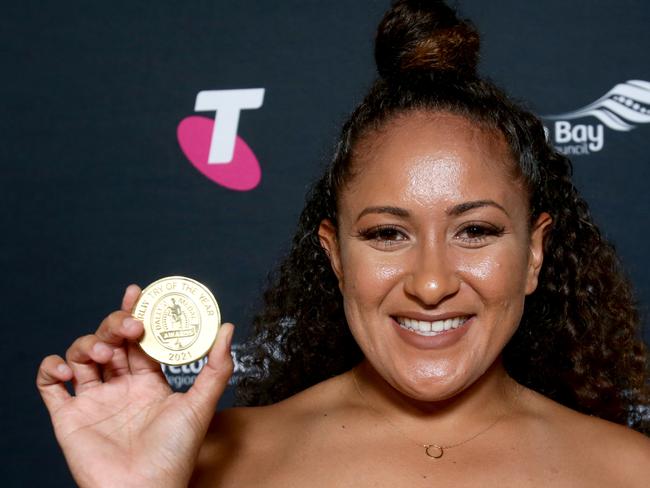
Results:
<point x="181" y="319"/>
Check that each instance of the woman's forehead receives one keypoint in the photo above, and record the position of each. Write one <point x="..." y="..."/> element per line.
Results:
<point x="427" y="158"/>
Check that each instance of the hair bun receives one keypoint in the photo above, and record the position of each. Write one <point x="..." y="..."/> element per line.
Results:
<point x="425" y="37"/>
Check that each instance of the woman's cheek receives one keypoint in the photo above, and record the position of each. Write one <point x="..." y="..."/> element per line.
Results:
<point x="494" y="273"/>
<point x="370" y="275"/>
<point x="386" y="272"/>
<point x="481" y="269"/>
<point x="368" y="282"/>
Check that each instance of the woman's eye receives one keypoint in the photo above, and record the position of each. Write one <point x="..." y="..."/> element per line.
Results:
<point x="479" y="233"/>
<point x="384" y="235"/>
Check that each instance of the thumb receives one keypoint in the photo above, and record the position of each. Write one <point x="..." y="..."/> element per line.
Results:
<point x="213" y="378"/>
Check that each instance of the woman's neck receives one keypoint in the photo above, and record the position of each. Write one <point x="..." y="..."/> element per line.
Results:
<point x="493" y="395"/>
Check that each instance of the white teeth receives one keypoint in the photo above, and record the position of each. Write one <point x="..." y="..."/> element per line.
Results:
<point x="426" y="328"/>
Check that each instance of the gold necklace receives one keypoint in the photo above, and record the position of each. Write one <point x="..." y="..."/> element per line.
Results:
<point x="433" y="451"/>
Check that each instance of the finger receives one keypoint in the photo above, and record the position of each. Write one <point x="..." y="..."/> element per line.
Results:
<point x="120" y="326"/>
<point x="141" y="363"/>
<point x="50" y="379"/>
<point x="83" y="356"/>
<point x="131" y="295"/>
<point x="116" y="329"/>
<point x="213" y="378"/>
<point x="129" y="329"/>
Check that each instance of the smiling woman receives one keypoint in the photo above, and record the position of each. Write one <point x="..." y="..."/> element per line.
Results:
<point x="433" y="253"/>
<point x="448" y="310"/>
<point x="426" y="122"/>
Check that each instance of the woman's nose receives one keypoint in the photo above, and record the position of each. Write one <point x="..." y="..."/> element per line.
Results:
<point x="432" y="277"/>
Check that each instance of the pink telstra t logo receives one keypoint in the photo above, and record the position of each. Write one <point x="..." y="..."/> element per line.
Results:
<point x="213" y="146"/>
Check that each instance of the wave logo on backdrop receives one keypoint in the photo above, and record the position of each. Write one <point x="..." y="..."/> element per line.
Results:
<point x="212" y="144"/>
<point x="620" y="109"/>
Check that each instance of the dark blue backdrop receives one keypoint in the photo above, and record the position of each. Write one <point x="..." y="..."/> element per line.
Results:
<point x="97" y="193"/>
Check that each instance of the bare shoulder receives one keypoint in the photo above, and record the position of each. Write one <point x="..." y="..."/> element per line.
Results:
<point x="611" y="450"/>
<point x="621" y="451"/>
<point x="243" y="442"/>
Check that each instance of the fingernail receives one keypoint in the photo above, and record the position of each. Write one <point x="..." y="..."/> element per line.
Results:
<point x="63" y="368"/>
<point x="101" y="348"/>
<point x="130" y="324"/>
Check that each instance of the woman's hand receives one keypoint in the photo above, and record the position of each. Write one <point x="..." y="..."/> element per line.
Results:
<point x="124" y="426"/>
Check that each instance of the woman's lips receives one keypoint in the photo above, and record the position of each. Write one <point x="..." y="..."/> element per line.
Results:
<point x="432" y="327"/>
<point x="436" y="334"/>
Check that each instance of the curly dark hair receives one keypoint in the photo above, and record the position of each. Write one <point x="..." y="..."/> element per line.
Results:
<point x="578" y="341"/>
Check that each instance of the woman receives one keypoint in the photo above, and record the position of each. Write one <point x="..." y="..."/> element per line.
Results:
<point x="447" y="310"/>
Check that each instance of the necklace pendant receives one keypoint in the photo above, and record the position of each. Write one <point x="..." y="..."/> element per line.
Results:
<point x="434" y="451"/>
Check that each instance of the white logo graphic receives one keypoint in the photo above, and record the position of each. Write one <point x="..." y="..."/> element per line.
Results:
<point x="227" y="104"/>
<point x="180" y="378"/>
<point x="619" y="109"/>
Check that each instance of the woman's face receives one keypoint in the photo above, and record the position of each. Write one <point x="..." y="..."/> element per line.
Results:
<point x="434" y="252"/>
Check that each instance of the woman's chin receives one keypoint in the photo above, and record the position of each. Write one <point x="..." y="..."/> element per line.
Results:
<point x="429" y="387"/>
<point x="438" y="393"/>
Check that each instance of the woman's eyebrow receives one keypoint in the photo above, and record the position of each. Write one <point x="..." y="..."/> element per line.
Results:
<point x="452" y="211"/>
<point x="397" y="211"/>
<point x="467" y="206"/>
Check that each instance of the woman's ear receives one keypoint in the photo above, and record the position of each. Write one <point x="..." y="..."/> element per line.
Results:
<point x="536" y="251"/>
<point x="330" y="243"/>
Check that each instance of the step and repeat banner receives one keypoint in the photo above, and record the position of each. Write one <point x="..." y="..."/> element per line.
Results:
<point x="114" y="172"/>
